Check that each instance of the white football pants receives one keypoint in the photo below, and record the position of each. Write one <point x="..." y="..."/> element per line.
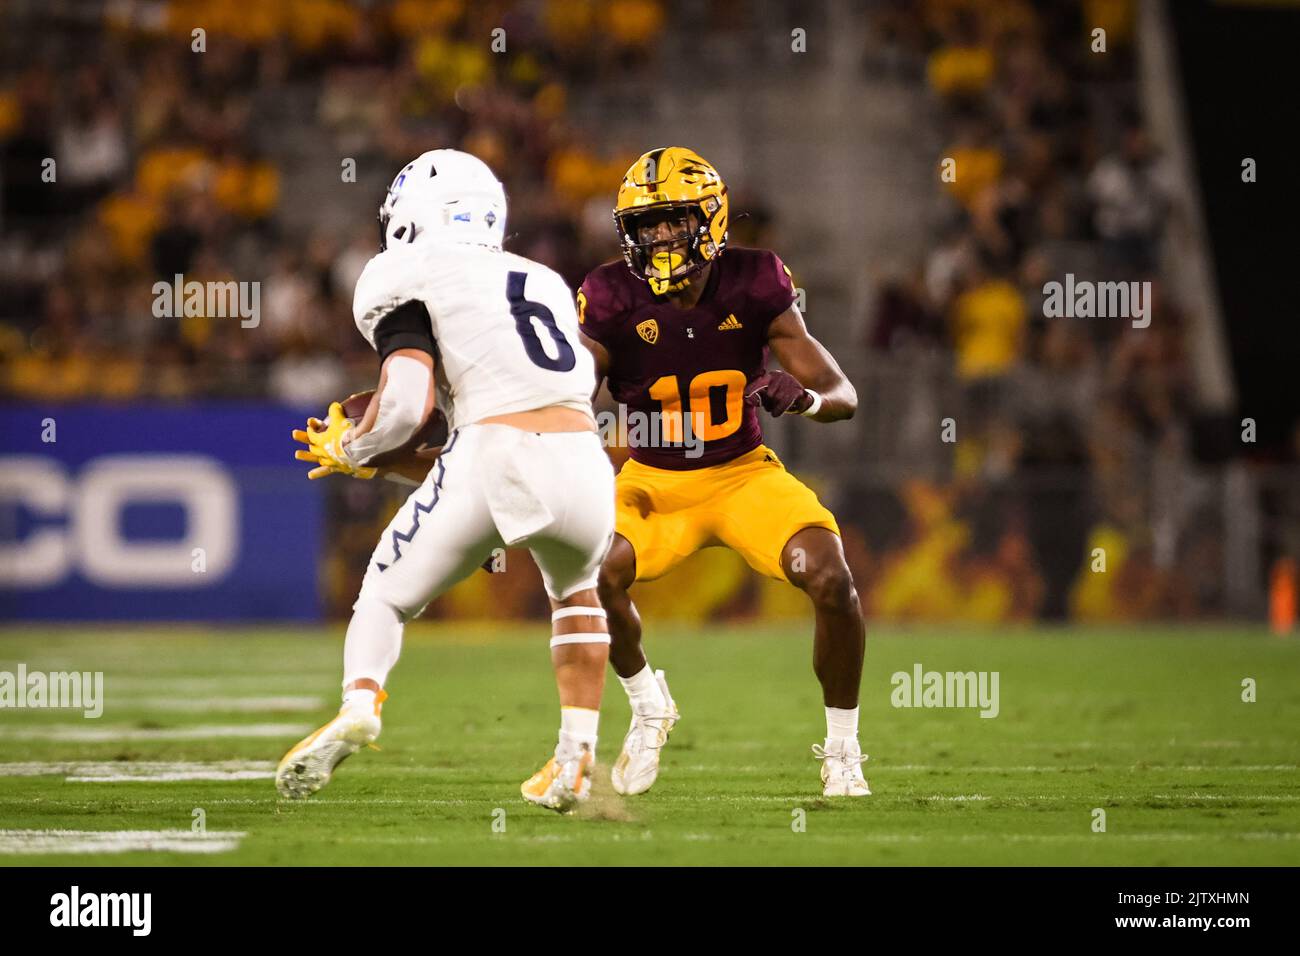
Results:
<point x="498" y="486"/>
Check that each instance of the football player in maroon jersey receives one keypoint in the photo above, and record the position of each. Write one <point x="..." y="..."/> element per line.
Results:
<point x="681" y="333"/>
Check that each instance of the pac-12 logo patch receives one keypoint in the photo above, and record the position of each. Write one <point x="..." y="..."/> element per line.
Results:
<point x="648" y="330"/>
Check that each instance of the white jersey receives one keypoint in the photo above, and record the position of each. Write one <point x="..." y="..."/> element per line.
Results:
<point x="505" y="327"/>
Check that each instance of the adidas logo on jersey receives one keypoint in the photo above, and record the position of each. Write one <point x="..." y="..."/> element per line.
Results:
<point x="730" y="322"/>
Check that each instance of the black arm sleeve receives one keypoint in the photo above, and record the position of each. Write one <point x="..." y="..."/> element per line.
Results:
<point x="406" y="327"/>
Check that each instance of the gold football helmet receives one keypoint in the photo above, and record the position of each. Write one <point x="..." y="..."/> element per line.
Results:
<point x="672" y="179"/>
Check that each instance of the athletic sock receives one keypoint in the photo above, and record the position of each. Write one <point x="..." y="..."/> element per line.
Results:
<point x="842" y="723"/>
<point x="644" y="692"/>
<point x="577" y="731"/>
<point x="360" y="697"/>
<point x="374" y="641"/>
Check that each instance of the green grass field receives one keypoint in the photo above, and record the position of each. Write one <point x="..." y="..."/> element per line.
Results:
<point x="1148" y="725"/>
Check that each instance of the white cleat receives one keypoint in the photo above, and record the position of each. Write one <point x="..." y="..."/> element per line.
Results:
<point x="842" y="761"/>
<point x="310" y="763"/>
<point x="638" y="764"/>
<point x="560" y="786"/>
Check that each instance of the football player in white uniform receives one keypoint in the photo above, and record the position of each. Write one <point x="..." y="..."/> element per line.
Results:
<point x="522" y="465"/>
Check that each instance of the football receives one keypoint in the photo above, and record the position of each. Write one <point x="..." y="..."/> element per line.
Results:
<point x="431" y="434"/>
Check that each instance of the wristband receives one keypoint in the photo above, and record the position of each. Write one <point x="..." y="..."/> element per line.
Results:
<point x="816" y="405"/>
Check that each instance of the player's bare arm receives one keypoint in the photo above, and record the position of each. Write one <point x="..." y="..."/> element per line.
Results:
<point x="813" y="367"/>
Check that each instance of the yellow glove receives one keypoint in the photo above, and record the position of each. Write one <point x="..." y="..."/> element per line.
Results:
<point x="324" y="441"/>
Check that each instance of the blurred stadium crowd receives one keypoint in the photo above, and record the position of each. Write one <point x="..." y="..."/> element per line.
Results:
<point x="167" y="163"/>
<point x="1074" y="435"/>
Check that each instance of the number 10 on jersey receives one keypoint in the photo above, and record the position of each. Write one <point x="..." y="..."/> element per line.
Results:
<point x="709" y="393"/>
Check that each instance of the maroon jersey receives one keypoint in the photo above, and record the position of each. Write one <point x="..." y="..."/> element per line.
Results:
<point x="688" y="367"/>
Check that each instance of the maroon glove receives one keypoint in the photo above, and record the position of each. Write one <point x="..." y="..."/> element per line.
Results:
<point x="779" y="392"/>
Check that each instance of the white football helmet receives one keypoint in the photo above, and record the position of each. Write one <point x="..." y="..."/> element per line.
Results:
<point x="446" y="195"/>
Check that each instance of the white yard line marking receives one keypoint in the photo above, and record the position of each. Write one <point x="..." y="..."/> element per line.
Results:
<point x="79" y="733"/>
<point x="1279" y="798"/>
<point x="894" y="799"/>
<point x="116" y="771"/>
<point x="117" y="841"/>
<point x="1090" y="768"/>
<point x="838" y="839"/>
<point x="242" y="705"/>
<point x="174" y="776"/>
<point x="223" y="684"/>
<point x="1011" y="798"/>
<point x="775" y="767"/>
<point x="1115" y="744"/>
<point x="1014" y="798"/>
<point x="715" y="768"/>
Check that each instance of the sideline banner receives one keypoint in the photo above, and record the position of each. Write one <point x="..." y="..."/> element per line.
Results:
<point x="156" y="512"/>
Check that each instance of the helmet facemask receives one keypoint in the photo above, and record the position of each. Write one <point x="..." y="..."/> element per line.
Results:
<point x="666" y="268"/>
